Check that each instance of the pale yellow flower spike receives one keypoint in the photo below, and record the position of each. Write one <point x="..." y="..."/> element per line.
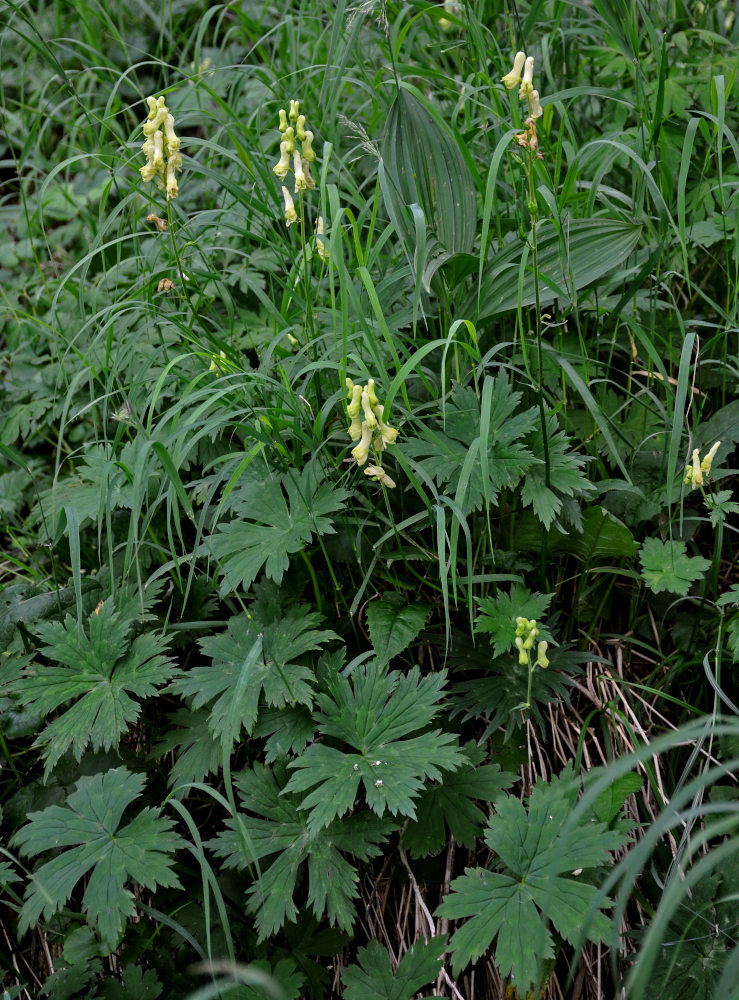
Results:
<point x="513" y="78"/>
<point x="162" y="150"/>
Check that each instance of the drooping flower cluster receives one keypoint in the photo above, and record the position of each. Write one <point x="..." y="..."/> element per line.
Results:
<point x="695" y="472"/>
<point x="162" y="148"/>
<point x="368" y="427"/>
<point x="523" y="64"/>
<point x="296" y="148"/>
<point x="526" y="633"/>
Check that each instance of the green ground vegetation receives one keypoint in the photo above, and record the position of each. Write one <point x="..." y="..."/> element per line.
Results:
<point x="368" y="414"/>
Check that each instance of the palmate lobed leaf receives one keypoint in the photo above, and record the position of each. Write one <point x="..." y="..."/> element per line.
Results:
<point x="88" y="826"/>
<point x="99" y="665"/>
<point x="376" y="713"/>
<point x="444" y="448"/>
<point x="372" y="978"/>
<point x="251" y="661"/>
<point x="667" y="566"/>
<point x="99" y="484"/>
<point x="276" y="518"/>
<point x="537" y="851"/>
<point x="452" y="802"/>
<point x="566" y="477"/>
<point x="498" y="615"/>
<point x="275" y="825"/>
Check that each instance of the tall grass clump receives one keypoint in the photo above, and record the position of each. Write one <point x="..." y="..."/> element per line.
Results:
<point x="368" y="590"/>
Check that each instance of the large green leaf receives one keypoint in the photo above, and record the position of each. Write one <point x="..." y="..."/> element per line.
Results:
<point x="101" y="670"/>
<point x="538" y="851"/>
<point x="274" y="826"/>
<point x="450" y="803"/>
<point x="275" y="519"/>
<point x="667" y="566"/>
<point x="88" y="827"/>
<point x="394" y="624"/>
<point x="425" y="167"/>
<point x="384" y="717"/>
<point x="254" y="659"/>
<point x="584" y="251"/>
<point x="373" y="978"/>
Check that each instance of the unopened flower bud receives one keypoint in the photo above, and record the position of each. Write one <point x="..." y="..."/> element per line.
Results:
<point x="282" y="167"/>
<point x="369" y="415"/>
<point x="697" y="478"/>
<point x="283" y="121"/>
<point x="361" y="451"/>
<point x="355" y="392"/>
<point x="307" y="149"/>
<point x="300" y="127"/>
<point x="300" y="182"/>
<point x="541" y="655"/>
<point x="289" y="140"/>
<point x="536" y="109"/>
<point x="294" y="110"/>
<point x="290" y="214"/>
<point x="708" y="460"/>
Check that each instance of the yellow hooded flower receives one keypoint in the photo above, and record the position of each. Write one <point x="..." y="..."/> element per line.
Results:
<point x="514" y="77"/>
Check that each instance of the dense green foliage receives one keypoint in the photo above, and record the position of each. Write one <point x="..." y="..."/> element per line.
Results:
<point x="368" y="594"/>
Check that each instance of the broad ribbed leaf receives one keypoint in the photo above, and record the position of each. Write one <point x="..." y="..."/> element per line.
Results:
<point x="585" y="250"/>
<point x="426" y="167"/>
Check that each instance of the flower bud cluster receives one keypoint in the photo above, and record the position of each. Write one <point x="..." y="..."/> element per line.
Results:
<point x="695" y="472"/>
<point x="296" y="148"/>
<point x="368" y="427"/>
<point x="526" y="632"/>
<point x="162" y="148"/>
<point x="525" y="65"/>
